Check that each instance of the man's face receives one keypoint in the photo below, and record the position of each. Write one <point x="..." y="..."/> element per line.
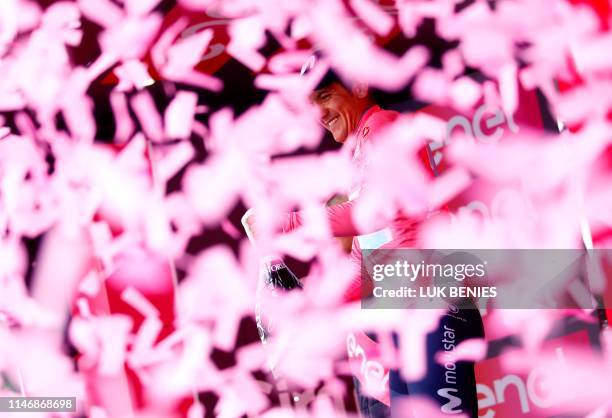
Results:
<point x="340" y="110"/>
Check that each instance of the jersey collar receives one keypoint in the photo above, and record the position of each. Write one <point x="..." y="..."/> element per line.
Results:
<point x="364" y="119"/>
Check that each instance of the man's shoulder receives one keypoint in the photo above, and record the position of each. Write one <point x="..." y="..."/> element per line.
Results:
<point x="377" y="120"/>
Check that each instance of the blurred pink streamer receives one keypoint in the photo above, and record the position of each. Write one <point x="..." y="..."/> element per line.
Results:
<point x="112" y="222"/>
<point x="377" y="19"/>
<point x="178" y="118"/>
<point x="333" y="30"/>
<point x="176" y="61"/>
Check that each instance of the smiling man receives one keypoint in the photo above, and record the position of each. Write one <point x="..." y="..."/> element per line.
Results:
<point x="348" y="112"/>
<point x="352" y="118"/>
<point x="341" y="109"/>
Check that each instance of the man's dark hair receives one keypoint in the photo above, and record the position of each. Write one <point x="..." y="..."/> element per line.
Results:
<point x="401" y="100"/>
<point x="328" y="79"/>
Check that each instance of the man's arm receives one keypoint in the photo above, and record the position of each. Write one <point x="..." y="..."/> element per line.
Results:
<point x="340" y="219"/>
<point x="346" y="243"/>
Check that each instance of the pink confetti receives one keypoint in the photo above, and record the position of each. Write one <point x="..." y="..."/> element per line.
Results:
<point x="288" y="62"/>
<point x="375" y="18"/>
<point x="230" y="230"/>
<point x="176" y="61"/>
<point x="147" y="335"/>
<point x="135" y="299"/>
<point x="465" y="93"/>
<point x="132" y="74"/>
<point x="131" y="37"/>
<point x="140" y="8"/>
<point x="196" y="410"/>
<point x="113" y="334"/>
<point x="247" y="37"/>
<point x="168" y="161"/>
<point x="119" y="224"/>
<point x="104" y="12"/>
<point x="8" y="11"/>
<point x="149" y="118"/>
<point x="469" y="350"/>
<point x="90" y="285"/>
<point x="125" y="125"/>
<point x="178" y="118"/>
<point x="390" y="73"/>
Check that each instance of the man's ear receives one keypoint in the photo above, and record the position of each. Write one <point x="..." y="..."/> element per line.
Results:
<point x="360" y="90"/>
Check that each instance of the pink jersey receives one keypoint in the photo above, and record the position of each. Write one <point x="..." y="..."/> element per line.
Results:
<point x="398" y="233"/>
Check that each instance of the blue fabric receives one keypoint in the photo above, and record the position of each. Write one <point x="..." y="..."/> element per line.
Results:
<point x="370" y="407"/>
<point x="451" y="385"/>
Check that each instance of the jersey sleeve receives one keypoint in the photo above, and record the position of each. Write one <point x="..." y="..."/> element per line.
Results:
<point x="339" y="217"/>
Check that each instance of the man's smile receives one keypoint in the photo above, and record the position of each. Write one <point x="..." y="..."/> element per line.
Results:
<point x="330" y="122"/>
